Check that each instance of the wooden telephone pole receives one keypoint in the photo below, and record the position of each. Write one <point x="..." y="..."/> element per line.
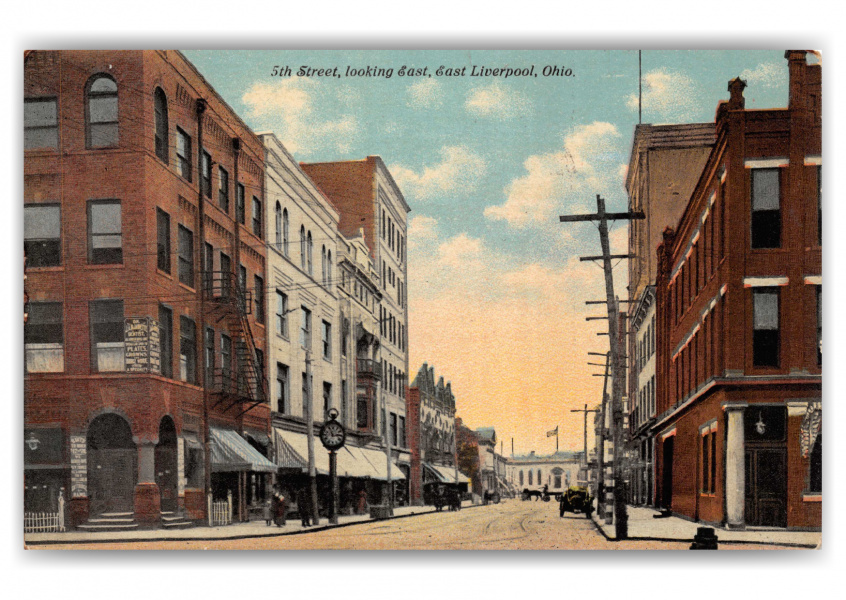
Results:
<point x="621" y="519"/>
<point x="586" y="411"/>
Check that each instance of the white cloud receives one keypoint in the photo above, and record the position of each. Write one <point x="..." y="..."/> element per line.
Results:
<point x="459" y="251"/>
<point x="287" y="107"/>
<point x="668" y="96"/>
<point x="458" y="169"/>
<point x="421" y="229"/>
<point x="586" y="165"/>
<point x="765" y="75"/>
<point x="426" y="93"/>
<point x="497" y="101"/>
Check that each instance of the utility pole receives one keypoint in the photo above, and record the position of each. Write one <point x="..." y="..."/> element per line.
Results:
<point x="312" y="476"/>
<point x="600" y="454"/>
<point x="617" y="369"/>
<point x="586" y="411"/>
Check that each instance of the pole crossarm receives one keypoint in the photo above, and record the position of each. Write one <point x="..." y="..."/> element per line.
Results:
<point x="634" y="214"/>
<point x="604" y="317"/>
<point x="611" y="256"/>
<point x="605" y="301"/>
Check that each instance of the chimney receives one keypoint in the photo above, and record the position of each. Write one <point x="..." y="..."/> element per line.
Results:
<point x="796" y="62"/>
<point x="735" y="88"/>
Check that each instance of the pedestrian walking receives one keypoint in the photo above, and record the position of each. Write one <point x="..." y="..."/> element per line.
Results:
<point x="303" y="507"/>
<point x="270" y="509"/>
<point x="362" y="502"/>
<point x="280" y="514"/>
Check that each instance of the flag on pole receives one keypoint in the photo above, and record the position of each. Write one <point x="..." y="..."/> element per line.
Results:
<point x="552" y="432"/>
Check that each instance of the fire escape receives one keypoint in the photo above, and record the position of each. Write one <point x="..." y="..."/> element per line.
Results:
<point x="243" y="387"/>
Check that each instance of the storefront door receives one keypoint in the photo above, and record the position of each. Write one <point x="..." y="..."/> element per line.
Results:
<point x="766" y="487"/>
<point x="112" y="465"/>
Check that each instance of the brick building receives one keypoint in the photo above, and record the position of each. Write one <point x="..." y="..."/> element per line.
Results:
<point x="665" y="164"/>
<point x="144" y="233"/>
<point x="738" y="297"/>
<point x="367" y="198"/>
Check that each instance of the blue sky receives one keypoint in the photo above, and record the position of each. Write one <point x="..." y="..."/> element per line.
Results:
<point x="496" y="291"/>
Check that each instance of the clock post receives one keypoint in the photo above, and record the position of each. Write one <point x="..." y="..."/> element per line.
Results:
<point x="333" y="435"/>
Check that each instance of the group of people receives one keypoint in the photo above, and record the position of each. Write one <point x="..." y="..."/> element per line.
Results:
<point x="276" y="509"/>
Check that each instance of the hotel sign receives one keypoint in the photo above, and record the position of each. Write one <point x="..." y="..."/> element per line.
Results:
<point x="143" y="346"/>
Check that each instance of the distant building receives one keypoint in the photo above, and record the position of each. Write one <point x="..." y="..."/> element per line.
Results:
<point x="739" y="321"/>
<point x="492" y="464"/>
<point x="532" y="471"/>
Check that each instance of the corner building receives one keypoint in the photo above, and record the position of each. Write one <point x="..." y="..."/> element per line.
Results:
<point x="145" y="396"/>
<point x="739" y="361"/>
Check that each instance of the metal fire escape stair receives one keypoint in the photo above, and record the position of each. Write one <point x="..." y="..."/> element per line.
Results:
<point x="245" y="386"/>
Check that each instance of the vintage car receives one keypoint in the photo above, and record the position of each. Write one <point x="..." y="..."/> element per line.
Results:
<point x="576" y="499"/>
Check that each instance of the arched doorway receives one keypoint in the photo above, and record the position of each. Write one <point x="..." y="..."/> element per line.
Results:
<point x="112" y="465"/>
<point x="166" y="465"/>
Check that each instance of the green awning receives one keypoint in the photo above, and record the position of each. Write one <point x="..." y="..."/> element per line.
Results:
<point x="230" y="452"/>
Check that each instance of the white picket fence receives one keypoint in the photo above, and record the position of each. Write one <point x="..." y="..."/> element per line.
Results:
<point x="45" y="522"/>
<point x="220" y="513"/>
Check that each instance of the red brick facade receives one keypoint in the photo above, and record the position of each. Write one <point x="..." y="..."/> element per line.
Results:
<point x="71" y="175"/>
<point x="709" y="270"/>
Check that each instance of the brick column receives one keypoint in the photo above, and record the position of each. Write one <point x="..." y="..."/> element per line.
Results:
<point x="735" y="466"/>
<point x="147" y="497"/>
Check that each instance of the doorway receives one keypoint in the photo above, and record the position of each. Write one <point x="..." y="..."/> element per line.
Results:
<point x="112" y="465"/>
<point x="766" y="487"/>
<point x="166" y="465"/>
<point x="667" y="474"/>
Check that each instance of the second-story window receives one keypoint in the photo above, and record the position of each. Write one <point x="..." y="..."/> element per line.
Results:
<point x="41" y="124"/>
<point x="183" y="154"/>
<point x="259" y="292"/>
<point x="107" y="335"/>
<point x="105" y="244"/>
<point x="162" y="133"/>
<point x="223" y="189"/>
<point x="766" y="211"/>
<point x="186" y="257"/>
<point x="44" y="341"/>
<point x="283" y="404"/>
<point x="257" y="216"/>
<point x="281" y="314"/>
<point x="42" y="235"/>
<point x="765" y="336"/>
<point x="187" y="350"/>
<point x="101" y="112"/>
<point x="166" y="340"/>
<point x="327" y="340"/>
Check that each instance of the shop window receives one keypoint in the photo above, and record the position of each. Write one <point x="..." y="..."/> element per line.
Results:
<point x="44" y="338"/>
<point x="107" y="335"/>
<point x="162" y="132"/>
<point x="105" y="245"/>
<point x="187" y="350"/>
<point x="193" y="466"/>
<point x="41" y="125"/>
<point x="766" y="210"/>
<point x="765" y="336"/>
<point x="42" y="235"/>
<point x="101" y="112"/>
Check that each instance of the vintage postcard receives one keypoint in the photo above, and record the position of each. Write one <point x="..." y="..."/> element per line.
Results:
<point x="422" y="299"/>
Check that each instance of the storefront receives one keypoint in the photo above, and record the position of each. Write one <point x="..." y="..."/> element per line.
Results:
<point x="238" y="469"/>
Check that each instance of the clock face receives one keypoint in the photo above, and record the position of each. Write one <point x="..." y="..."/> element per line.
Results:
<point x="332" y="435"/>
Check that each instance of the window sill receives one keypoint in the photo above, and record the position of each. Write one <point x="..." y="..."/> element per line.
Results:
<point x="51" y="269"/>
<point x="106" y="266"/>
<point x="190" y="289"/>
<point x="707" y="495"/>
<point x="164" y="273"/>
<point x="812" y="497"/>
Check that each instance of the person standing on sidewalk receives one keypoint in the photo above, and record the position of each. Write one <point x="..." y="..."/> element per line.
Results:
<point x="303" y="507"/>
<point x="280" y="515"/>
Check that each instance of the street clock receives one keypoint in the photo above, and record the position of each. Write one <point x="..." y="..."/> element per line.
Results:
<point x="332" y="434"/>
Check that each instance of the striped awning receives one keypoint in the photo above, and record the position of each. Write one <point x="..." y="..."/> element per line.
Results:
<point x="230" y="452"/>
<point x="445" y="474"/>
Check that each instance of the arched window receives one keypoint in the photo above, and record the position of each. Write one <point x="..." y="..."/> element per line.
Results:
<point x="162" y="137"/>
<point x="521" y="477"/>
<point x="285" y="235"/>
<point x="329" y="267"/>
<point x="278" y="226"/>
<point x="302" y="248"/>
<point x="310" y="254"/>
<point x="540" y="481"/>
<point x="531" y="482"/>
<point x="101" y="112"/>
<point x="323" y="264"/>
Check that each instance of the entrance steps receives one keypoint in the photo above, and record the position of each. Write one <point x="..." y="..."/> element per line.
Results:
<point x="175" y="520"/>
<point x="115" y="521"/>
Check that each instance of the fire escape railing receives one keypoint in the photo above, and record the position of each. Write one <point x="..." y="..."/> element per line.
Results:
<point x="244" y="385"/>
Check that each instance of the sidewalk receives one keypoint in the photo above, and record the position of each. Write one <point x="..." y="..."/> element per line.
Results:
<point x="642" y="526"/>
<point x="236" y="530"/>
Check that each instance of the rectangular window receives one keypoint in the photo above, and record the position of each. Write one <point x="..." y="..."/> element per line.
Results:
<point x="326" y="337"/>
<point x="260" y="366"/>
<point x="362" y="412"/>
<point x="305" y="328"/>
<point x="306" y="394"/>
<point x="402" y="440"/>
<point x="226" y="362"/>
<point x="327" y="399"/>
<point x="394" y="439"/>
<point x="44" y="338"/>
<point x="206" y="174"/>
<point x="41" y="125"/>
<point x="706" y="464"/>
<point x="186" y="256"/>
<point x="183" y="154"/>
<point x="713" y="437"/>
<point x="107" y="341"/>
<point x="282" y="391"/>
<point x="240" y="207"/>
<point x="765" y="338"/>
<point x="166" y="340"/>
<point x="105" y="245"/>
<point x="344" y="415"/>
<point x="259" y="292"/>
<point x="209" y="356"/>
<point x="766" y="212"/>
<point x="42" y="235"/>
<point x="207" y="270"/>
<point x="257" y="216"/>
<point x="223" y="189"/>
<point x="225" y="275"/>
<point x="187" y="350"/>
<point x="281" y="314"/>
<point x="163" y="240"/>
<point x="819" y="205"/>
<point x="819" y="325"/>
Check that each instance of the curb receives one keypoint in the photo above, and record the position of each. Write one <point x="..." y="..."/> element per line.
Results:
<point x="229" y="537"/>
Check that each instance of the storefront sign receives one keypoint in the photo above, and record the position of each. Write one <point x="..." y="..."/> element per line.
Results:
<point x="79" y="466"/>
<point x="143" y="347"/>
